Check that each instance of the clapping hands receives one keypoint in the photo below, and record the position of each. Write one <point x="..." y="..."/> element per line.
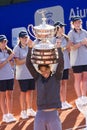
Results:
<point x="84" y="41"/>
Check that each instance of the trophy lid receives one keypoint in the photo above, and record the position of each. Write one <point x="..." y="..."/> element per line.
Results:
<point x="44" y="25"/>
<point x="43" y="46"/>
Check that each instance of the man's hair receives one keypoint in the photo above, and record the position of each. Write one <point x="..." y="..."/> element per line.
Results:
<point x="39" y="66"/>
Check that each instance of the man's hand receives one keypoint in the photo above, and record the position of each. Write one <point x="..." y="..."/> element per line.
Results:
<point x="30" y="43"/>
<point x="58" y="43"/>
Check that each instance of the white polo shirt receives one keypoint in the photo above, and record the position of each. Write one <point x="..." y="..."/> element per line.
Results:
<point x="78" y="56"/>
<point x="6" y="72"/>
<point x="21" y="70"/>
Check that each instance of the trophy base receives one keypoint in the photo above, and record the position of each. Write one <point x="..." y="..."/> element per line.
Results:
<point x="44" y="61"/>
<point x="44" y="56"/>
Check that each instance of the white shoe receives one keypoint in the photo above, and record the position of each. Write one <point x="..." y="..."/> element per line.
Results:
<point x="5" y="118"/>
<point x="84" y="99"/>
<point x="66" y="105"/>
<point x="69" y="105"/>
<point x="31" y="112"/>
<point x="11" y="117"/>
<point x="81" y="100"/>
<point x="24" y="114"/>
<point x="81" y="105"/>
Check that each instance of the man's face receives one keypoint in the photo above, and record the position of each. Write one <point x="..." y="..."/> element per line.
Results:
<point x="45" y="72"/>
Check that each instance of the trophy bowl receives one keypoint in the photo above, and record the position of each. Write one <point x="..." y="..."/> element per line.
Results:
<point x="44" y="31"/>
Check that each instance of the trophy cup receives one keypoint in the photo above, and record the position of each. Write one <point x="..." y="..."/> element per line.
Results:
<point x="44" y="52"/>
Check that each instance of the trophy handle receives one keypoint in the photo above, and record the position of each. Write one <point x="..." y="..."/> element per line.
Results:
<point x="30" y="27"/>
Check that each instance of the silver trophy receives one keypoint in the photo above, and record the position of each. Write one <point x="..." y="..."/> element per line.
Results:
<point x="44" y="52"/>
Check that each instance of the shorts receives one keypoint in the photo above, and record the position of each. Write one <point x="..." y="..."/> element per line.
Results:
<point x="27" y="84"/>
<point x="79" y="69"/>
<point x="65" y="74"/>
<point x="6" y="85"/>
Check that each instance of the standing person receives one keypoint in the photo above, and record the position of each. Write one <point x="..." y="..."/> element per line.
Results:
<point x="48" y="93"/>
<point x="65" y="45"/>
<point x="6" y="80"/>
<point x="78" y="56"/>
<point x="25" y="79"/>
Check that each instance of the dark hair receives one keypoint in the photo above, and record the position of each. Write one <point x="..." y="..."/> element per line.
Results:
<point x="39" y="66"/>
<point x="56" y="29"/>
<point x="66" y="37"/>
<point x="9" y="51"/>
<point x="20" y="44"/>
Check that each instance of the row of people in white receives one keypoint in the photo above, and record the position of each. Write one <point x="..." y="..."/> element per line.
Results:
<point x="26" y="81"/>
<point x="74" y="48"/>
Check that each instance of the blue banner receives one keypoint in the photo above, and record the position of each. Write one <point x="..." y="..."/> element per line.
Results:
<point x="22" y="14"/>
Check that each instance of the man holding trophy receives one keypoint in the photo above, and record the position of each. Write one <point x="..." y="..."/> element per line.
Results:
<point x="48" y="93"/>
<point x="44" y="54"/>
